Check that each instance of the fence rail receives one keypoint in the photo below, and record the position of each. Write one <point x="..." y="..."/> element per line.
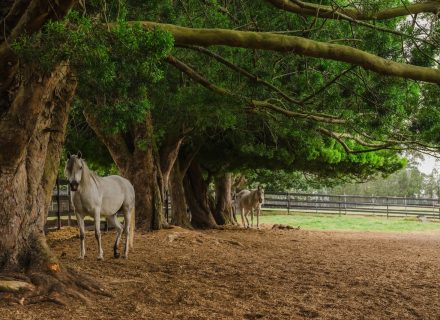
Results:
<point x="61" y="209"/>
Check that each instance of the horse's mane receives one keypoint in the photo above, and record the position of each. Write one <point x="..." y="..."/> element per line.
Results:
<point x="88" y="173"/>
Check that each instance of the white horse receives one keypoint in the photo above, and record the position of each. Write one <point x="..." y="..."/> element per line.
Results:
<point x="95" y="196"/>
<point x="248" y="201"/>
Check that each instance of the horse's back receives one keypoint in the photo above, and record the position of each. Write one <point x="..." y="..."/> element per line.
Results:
<point x="117" y="192"/>
<point x="243" y="193"/>
<point x="241" y="198"/>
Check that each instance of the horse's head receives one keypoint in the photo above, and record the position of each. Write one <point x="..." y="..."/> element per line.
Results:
<point x="260" y="194"/>
<point x="74" y="170"/>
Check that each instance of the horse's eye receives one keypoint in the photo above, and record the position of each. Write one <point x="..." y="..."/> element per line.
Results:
<point x="80" y="168"/>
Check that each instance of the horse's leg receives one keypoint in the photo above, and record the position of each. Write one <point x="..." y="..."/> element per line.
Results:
<point x="97" y="216"/>
<point x="246" y="218"/>
<point x="258" y="218"/>
<point x="242" y="217"/>
<point x="115" y="222"/>
<point x="252" y="218"/>
<point x="127" y="224"/>
<point x="80" y="221"/>
<point x="235" y="209"/>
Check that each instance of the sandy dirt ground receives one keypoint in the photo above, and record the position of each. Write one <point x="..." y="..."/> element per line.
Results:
<point x="255" y="274"/>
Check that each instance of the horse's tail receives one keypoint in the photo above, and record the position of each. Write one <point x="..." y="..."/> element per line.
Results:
<point x="132" y="227"/>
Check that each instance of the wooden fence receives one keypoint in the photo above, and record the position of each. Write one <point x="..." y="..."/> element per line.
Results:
<point x="60" y="207"/>
<point x="352" y="204"/>
<point x="61" y="211"/>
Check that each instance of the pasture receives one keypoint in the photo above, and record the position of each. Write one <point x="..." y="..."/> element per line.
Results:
<point x="349" y="222"/>
<point x="254" y="274"/>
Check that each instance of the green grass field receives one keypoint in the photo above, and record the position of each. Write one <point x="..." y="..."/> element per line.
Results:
<point x="349" y="223"/>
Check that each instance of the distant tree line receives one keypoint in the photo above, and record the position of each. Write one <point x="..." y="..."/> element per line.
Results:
<point x="407" y="182"/>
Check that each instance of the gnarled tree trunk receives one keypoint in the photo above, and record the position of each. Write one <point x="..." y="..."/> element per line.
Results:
<point x="29" y="167"/>
<point x="179" y="214"/>
<point x="33" y="117"/>
<point x="196" y="193"/>
<point x="32" y="134"/>
<point x="223" y="199"/>
<point x="139" y="163"/>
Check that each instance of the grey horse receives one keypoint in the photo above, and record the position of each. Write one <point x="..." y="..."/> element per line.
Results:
<point x="248" y="201"/>
<point x="101" y="196"/>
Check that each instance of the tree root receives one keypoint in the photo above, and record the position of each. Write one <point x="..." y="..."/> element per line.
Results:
<point x="54" y="285"/>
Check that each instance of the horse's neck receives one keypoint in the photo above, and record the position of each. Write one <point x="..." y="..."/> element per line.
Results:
<point x="253" y="196"/>
<point x="88" y="179"/>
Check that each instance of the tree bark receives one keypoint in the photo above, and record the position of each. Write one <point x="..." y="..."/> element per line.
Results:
<point x="33" y="117"/>
<point x="26" y="179"/>
<point x="223" y="199"/>
<point x="138" y="163"/>
<point x="28" y="175"/>
<point x="196" y="194"/>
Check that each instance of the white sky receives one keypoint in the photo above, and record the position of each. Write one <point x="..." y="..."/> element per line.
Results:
<point x="428" y="164"/>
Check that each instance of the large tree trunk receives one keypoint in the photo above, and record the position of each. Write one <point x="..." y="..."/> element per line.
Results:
<point x="33" y="117"/>
<point x="179" y="214"/>
<point x="28" y="176"/>
<point x="139" y="163"/>
<point x="29" y="164"/>
<point x="196" y="193"/>
<point x="223" y="200"/>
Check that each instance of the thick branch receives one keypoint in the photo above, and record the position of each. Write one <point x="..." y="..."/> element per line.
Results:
<point x="299" y="45"/>
<point x="168" y="155"/>
<point x="338" y="12"/>
<point x="329" y="12"/>
<point x="114" y="142"/>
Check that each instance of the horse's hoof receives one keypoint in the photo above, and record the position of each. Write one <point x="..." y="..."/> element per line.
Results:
<point x="100" y="258"/>
<point x="81" y="258"/>
<point x="125" y="256"/>
<point x="116" y="255"/>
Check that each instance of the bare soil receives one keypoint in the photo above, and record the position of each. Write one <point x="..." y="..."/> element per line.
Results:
<point x="254" y="274"/>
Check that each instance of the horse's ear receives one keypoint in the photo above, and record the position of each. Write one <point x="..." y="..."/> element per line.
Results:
<point x="68" y="155"/>
<point x="259" y="187"/>
<point x="79" y="155"/>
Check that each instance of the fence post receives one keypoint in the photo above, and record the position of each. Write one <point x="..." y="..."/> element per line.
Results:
<point x="316" y="204"/>
<point x="406" y="212"/>
<point x="58" y="203"/>
<point x="69" y="218"/>
<point x="339" y="204"/>
<point x="288" y="202"/>
<point x="345" y="203"/>
<point x="386" y="199"/>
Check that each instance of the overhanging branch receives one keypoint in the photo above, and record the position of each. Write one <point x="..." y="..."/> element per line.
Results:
<point x="298" y="45"/>
<point x="329" y="12"/>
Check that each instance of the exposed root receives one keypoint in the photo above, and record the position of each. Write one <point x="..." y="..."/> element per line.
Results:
<point x="53" y="285"/>
<point x="15" y="286"/>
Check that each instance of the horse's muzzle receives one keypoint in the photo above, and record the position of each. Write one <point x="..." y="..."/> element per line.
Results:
<point x="73" y="185"/>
